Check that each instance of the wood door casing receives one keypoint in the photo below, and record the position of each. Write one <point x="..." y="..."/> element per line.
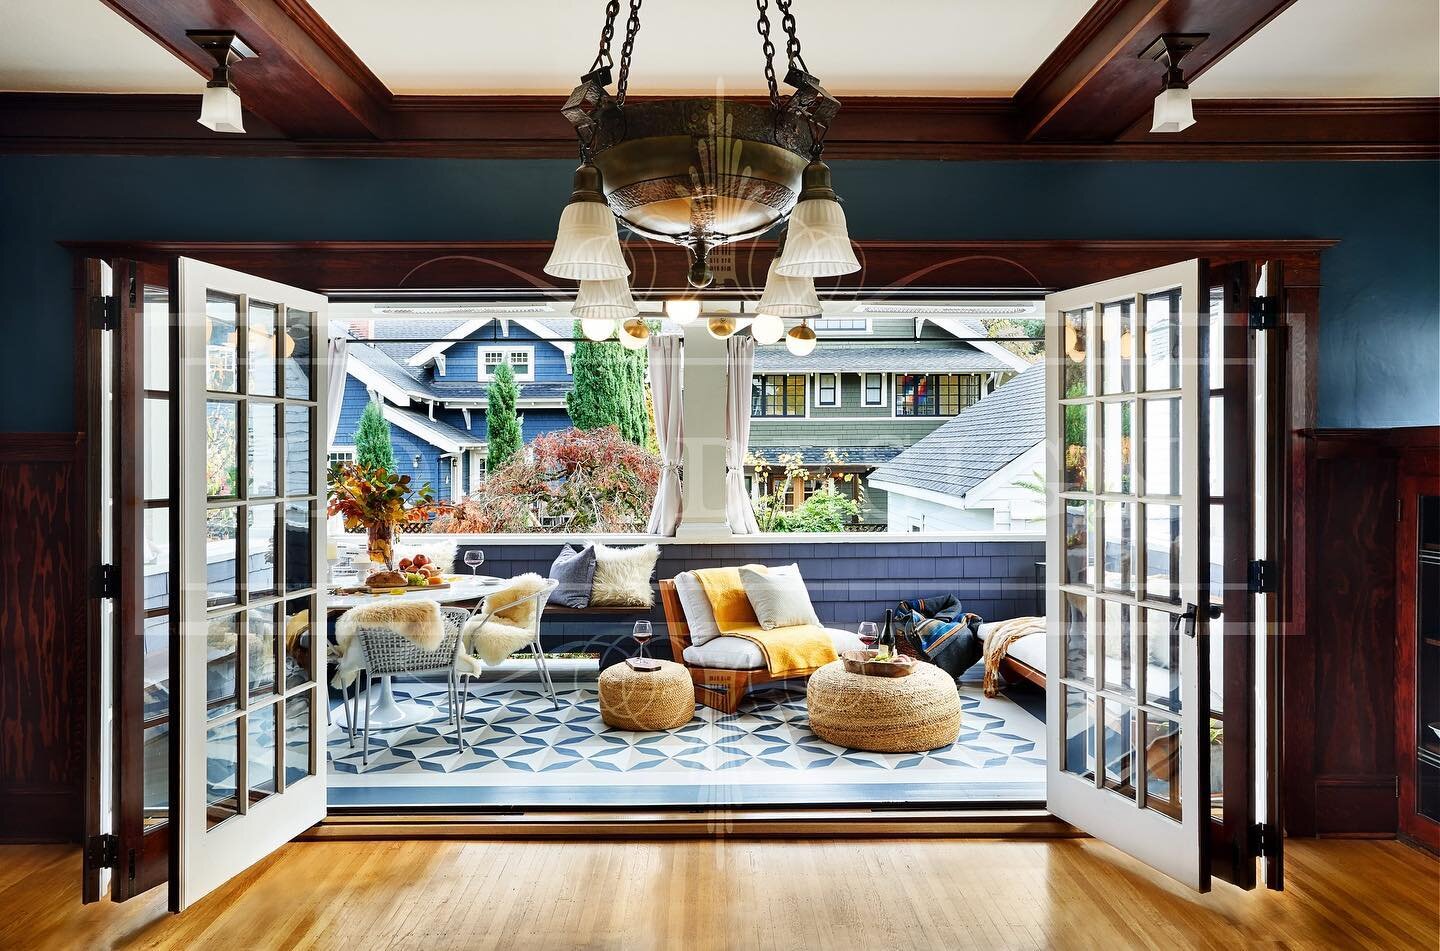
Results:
<point x="1420" y="476"/>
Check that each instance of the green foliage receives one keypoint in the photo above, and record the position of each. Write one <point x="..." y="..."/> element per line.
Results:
<point x="372" y="440"/>
<point x="824" y="511"/>
<point x="609" y="388"/>
<point x="502" y="425"/>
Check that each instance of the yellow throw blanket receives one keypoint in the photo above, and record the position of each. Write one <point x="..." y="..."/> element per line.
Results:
<point x="999" y="641"/>
<point x="789" y="651"/>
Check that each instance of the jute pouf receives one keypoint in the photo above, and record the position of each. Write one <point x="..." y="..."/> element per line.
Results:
<point x="658" y="700"/>
<point x="908" y="714"/>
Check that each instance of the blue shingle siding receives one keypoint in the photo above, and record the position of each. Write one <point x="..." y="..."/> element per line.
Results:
<point x="848" y="582"/>
<point x="462" y="358"/>
<point x="356" y="396"/>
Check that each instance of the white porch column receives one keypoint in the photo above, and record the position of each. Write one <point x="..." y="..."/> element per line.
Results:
<point x="703" y="452"/>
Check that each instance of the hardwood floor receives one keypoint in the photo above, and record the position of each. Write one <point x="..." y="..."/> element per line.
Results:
<point x="736" y="894"/>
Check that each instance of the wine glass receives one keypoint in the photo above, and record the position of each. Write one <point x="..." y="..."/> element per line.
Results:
<point x="642" y="634"/>
<point x="474" y="557"/>
<point x="869" y="633"/>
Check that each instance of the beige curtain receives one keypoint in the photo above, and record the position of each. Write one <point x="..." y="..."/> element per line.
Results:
<point x="337" y="353"/>
<point x="665" y="363"/>
<point x="739" y="368"/>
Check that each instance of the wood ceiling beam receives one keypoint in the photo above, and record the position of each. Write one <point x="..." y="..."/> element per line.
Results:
<point x="304" y="82"/>
<point x="1095" y="86"/>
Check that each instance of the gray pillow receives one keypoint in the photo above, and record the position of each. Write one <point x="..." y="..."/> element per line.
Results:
<point x="575" y="570"/>
<point x="779" y="597"/>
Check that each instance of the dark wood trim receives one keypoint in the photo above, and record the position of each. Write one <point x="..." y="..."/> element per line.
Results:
<point x="40" y="447"/>
<point x="1095" y="85"/>
<point x="897" y="128"/>
<point x="1419" y="476"/>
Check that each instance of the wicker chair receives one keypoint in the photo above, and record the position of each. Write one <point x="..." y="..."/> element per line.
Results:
<point x="387" y="652"/>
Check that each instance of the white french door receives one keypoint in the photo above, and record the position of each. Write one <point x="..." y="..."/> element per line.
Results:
<point x="1127" y="561"/>
<point x="250" y="536"/>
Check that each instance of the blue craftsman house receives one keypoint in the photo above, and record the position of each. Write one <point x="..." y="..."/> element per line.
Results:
<point x="431" y="377"/>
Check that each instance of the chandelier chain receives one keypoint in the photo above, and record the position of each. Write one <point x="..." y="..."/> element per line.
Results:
<point x="763" y="26"/>
<point x="632" y="27"/>
<point x="607" y="34"/>
<point x="792" y="41"/>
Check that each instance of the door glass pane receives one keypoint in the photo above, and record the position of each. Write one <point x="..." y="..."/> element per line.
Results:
<point x="156" y="339"/>
<point x="262" y="647"/>
<point x="222" y="645"/>
<point x="260" y="536"/>
<point x="220" y="555"/>
<point x="222" y="449"/>
<point x="1216" y="339"/>
<point x="1116" y="435"/>
<point x="157" y="558"/>
<point x="297" y="352"/>
<point x="261" y="449"/>
<point x="1217" y="559"/>
<point x="1162" y="341"/>
<point x="1119" y="648"/>
<point x="1120" y="554"/>
<point x="1162" y="766"/>
<point x="260" y="345"/>
<point x="261" y="752"/>
<point x="222" y="758"/>
<point x="298" y="477"/>
<point x="1080" y="649"/>
<point x="1162" y="655"/>
<point x="1162" y="447"/>
<point x="1217" y="769"/>
<point x="222" y="342"/>
<point x="297" y="738"/>
<point x="1079" y="430"/>
<point x="157" y="667"/>
<point x="1079" y="363"/>
<point x="297" y="642"/>
<point x="157" y="774"/>
<point x="1118" y="364"/>
<point x="1119" y="758"/>
<point x="1079" y="568"/>
<point x="1079" y="732"/>
<point x="299" y="557"/>
<point x="156" y="449"/>
<point x="1162" y="553"/>
<point x="1217" y="445"/>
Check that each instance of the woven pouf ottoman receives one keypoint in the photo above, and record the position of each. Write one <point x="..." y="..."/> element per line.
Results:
<point x="656" y="700"/>
<point x="908" y="714"/>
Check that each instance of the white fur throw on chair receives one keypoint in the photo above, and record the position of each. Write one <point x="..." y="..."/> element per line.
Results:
<point x="419" y="622"/>
<point x="503" y="626"/>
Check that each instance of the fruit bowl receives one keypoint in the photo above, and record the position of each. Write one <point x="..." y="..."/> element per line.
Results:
<point x="863" y="662"/>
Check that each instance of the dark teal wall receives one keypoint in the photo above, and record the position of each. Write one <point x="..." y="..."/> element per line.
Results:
<point x="1380" y="343"/>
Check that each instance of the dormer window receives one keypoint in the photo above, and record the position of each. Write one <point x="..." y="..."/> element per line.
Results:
<point x="521" y="360"/>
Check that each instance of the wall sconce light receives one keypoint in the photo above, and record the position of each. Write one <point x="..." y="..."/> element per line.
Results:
<point x="417" y="460"/>
<point x="220" y="106"/>
<point x="1173" y="111"/>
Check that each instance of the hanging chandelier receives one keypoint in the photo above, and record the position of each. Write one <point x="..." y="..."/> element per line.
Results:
<point x="701" y="173"/>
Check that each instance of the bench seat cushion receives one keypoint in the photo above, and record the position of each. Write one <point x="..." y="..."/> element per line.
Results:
<point x="737" y="653"/>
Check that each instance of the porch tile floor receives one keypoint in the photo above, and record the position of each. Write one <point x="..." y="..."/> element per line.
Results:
<point x="522" y="749"/>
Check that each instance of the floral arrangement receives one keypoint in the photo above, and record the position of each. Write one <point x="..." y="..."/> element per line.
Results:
<point x="375" y="499"/>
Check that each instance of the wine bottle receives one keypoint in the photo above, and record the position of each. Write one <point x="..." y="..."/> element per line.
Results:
<point x="885" y="649"/>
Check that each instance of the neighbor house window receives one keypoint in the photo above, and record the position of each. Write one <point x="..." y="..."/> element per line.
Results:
<point x="776" y="394"/>
<point x="342" y="456"/>
<point x="934" y="394"/>
<point x="521" y="360"/>
<point x="827" y="390"/>
<point x="841" y="324"/>
<point x="874" y="389"/>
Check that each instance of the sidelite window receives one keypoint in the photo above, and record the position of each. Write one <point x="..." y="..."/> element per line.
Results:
<point x="778" y="395"/>
<point x="934" y="394"/>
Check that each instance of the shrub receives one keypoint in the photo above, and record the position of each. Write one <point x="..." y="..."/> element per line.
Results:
<point x="372" y="440"/>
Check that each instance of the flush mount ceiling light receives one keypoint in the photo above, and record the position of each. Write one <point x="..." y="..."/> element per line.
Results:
<point x="220" y="105"/>
<point x="1173" y="111"/>
<point x="700" y="173"/>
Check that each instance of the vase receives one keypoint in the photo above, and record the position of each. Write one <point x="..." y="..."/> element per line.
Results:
<point x="382" y="548"/>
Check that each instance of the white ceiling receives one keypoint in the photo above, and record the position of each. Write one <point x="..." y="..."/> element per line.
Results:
<point x="1316" y="48"/>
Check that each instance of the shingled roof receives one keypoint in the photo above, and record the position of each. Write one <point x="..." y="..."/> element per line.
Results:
<point x="976" y="444"/>
<point x="833" y="357"/>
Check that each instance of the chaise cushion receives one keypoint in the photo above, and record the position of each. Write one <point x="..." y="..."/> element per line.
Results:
<point x="738" y="653"/>
<point x="699" y="616"/>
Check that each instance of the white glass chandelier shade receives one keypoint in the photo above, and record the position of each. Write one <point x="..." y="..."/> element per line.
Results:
<point x="220" y="110"/>
<point x="788" y="296"/>
<point x="682" y="310"/>
<point x="597" y="328"/>
<point x="767" y="328"/>
<point x="817" y="242"/>
<point x="634" y="333"/>
<point x="604" y="300"/>
<point x="801" y="340"/>
<point x="587" y="245"/>
<point x="1173" y="111"/>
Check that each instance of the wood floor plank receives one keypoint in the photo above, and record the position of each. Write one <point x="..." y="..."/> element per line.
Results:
<point x="703" y="894"/>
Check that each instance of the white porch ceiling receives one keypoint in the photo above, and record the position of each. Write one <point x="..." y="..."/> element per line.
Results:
<point x="83" y="46"/>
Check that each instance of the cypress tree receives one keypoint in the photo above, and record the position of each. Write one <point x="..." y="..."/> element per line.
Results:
<point x="597" y="397"/>
<point x="372" y="440"/>
<point x="502" y="426"/>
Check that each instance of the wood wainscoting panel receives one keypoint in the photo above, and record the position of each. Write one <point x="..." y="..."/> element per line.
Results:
<point x="42" y="643"/>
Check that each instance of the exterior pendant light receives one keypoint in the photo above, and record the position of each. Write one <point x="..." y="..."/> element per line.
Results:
<point x="682" y="310"/>
<point x="767" y="328"/>
<point x="1173" y="109"/>
<point x="817" y="242"/>
<point x="801" y="340"/>
<point x="722" y="326"/>
<point x="220" y="104"/>
<point x="634" y="333"/>
<point x="587" y="245"/>
<point x="597" y="329"/>
<point x="604" y="300"/>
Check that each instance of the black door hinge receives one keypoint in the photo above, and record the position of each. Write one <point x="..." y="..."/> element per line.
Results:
<point x="107" y="582"/>
<point x="104" y="312"/>
<point x="1264" y="840"/>
<point x="1260" y="577"/>
<point x="1264" y="313"/>
<point x="103" y="851"/>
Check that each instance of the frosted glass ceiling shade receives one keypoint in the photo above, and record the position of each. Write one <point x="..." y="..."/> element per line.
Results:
<point x="634" y="333"/>
<point x="767" y="328"/>
<point x="597" y="329"/>
<point x="817" y="242"/>
<point x="220" y="110"/>
<point x="801" y="340"/>
<point x="788" y="296"/>
<point x="587" y="246"/>
<point x="604" y="300"/>
<point x="682" y="310"/>
<point x="1173" y="111"/>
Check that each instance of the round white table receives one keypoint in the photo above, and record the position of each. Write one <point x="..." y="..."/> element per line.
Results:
<point x="389" y="712"/>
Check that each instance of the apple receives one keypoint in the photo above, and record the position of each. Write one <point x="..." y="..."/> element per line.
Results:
<point x="420" y="561"/>
<point x="406" y="564"/>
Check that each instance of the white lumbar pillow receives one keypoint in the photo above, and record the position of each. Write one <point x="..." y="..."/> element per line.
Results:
<point x="699" y="616"/>
<point x="779" y="597"/>
<point x="622" y="576"/>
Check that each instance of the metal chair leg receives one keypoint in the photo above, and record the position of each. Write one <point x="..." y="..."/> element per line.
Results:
<point x="463" y="690"/>
<point x="544" y="670"/>
<point x="352" y="708"/>
<point x="365" y="750"/>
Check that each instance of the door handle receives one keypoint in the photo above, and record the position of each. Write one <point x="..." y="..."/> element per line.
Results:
<point x="1191" y="613"/>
